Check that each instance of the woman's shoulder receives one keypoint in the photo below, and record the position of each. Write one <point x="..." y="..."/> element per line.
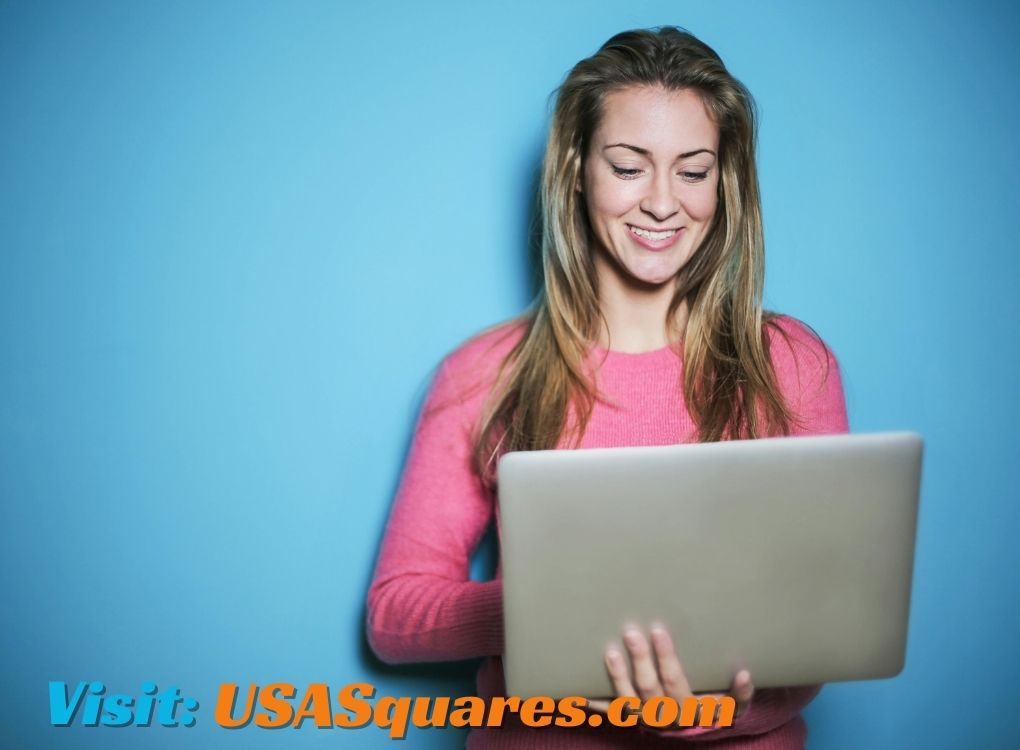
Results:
<point x="468" y="373"/>
<point x="793" y="343"/>
<point x="486" y="350"/>
<point x="808" y="375"/>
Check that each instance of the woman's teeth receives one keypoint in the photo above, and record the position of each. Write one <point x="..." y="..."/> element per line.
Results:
<point x="655" y="236"/>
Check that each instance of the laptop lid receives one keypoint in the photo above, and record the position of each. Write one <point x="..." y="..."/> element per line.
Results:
<point x="790" y="557"/>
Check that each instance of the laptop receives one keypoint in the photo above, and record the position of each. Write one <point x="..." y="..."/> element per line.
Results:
<point x="791" y="557"/>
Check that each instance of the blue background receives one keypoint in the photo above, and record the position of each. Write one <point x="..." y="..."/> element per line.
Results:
<point x="235" y="239"/>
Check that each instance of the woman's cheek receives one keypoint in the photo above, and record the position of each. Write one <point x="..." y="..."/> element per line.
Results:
<point x="701" y="206"/>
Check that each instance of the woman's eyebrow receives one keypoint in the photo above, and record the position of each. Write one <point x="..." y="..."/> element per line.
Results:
<point x="645" y="152"/>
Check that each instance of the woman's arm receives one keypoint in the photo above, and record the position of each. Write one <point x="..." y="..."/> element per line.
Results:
<point x="421" y="604"/>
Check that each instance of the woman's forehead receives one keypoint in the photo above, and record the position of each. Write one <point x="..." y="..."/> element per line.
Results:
<point x="656" y="120"/>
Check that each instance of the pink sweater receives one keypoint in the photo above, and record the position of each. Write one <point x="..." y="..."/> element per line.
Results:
<point x="423" y="607"/>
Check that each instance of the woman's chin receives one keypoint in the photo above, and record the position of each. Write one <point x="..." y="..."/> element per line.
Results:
<point x="653" y="279"/>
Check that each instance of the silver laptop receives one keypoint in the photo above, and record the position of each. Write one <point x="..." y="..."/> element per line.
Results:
<point x="790" y="557"/>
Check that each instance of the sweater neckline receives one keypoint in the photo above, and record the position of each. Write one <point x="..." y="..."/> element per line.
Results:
<point x="663" y="354"/>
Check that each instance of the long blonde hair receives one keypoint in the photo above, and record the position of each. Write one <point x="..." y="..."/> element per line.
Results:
<point x="544" y="392"/>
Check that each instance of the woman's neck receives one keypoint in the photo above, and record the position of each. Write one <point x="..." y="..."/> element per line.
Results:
<point x="634" y="317"/>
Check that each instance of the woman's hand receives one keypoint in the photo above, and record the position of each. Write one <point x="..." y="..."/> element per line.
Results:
<point x="655" y="670"/>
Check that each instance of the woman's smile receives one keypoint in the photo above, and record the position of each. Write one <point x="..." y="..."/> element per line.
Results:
<point x="653" y="239"/>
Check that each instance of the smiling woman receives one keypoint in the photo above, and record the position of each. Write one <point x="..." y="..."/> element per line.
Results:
<point x="648" y="330"/>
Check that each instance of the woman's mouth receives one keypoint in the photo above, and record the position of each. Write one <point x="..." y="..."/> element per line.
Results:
<point x="654" y="239"/>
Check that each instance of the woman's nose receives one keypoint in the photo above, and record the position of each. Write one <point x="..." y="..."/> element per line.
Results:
<point x="661" y="201"/>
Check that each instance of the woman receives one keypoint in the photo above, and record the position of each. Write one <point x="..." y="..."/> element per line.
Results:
<point x="649" y="330"/>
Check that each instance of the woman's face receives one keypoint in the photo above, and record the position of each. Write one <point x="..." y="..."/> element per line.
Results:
<point x="650" y="184"/>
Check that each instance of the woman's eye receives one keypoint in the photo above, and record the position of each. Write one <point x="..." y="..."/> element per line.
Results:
<point x="694" y="176"/>
<point x="625" y="173"/>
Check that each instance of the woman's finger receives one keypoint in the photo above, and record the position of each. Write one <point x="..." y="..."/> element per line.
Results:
<point x="646" y="671"/>
<point x="619" y="673"/>
<point x="742" y="691"/>
<point x="671" y="673"/>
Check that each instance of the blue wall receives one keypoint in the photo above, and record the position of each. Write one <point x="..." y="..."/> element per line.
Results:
<point x="234" y="241"/>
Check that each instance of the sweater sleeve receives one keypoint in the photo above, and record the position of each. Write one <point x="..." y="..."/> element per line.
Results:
<point x="808" y="376"/>
<point x="421" y="604"/>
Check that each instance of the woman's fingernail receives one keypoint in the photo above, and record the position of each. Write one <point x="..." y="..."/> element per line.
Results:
<point x="660" y="634"/>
